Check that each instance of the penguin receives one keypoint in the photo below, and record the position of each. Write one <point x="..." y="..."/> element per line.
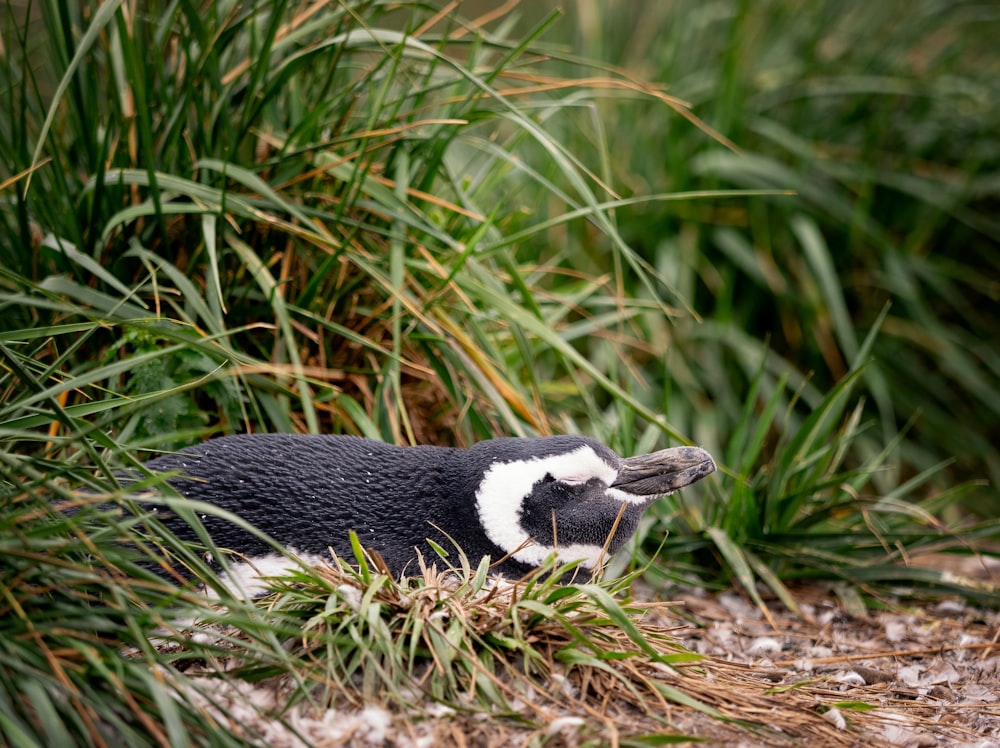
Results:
<point x="516" y="500"/>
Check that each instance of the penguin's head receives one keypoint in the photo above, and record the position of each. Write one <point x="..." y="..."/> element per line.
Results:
<point x="565" y="494"/>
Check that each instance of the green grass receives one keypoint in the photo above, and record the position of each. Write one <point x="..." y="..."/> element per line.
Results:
<point x="74" y="604"/>
<point x="357" y="220"/>
<point x="881" y="117"/>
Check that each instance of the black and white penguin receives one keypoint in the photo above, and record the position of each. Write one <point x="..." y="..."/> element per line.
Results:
<point x="509" y="498"/>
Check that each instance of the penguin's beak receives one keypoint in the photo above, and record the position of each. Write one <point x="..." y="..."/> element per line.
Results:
<point x="663" y="472"/>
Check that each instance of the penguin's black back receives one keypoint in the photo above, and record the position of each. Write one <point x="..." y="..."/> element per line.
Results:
<point x="308" y="491"/>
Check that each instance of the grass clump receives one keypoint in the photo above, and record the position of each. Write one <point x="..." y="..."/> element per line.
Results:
<point x="292" y="223"/>
<point x="880" y="118"/>
<point x="809" y="512"/>
<point x="72" y="599"/>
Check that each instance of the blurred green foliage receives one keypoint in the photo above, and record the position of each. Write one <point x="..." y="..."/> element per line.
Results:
<point x="882" y="118"/>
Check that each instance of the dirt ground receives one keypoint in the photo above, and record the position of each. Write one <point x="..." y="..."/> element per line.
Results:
<point x="931" y="672"/>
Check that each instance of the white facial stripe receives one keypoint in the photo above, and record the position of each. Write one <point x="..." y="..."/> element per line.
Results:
<point x="507" y="484"/>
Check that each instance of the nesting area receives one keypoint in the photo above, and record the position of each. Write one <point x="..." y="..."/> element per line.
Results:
<point x="501" y="667"/>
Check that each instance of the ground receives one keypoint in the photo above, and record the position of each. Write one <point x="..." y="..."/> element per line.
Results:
<point x="909" y="674"/>
<point x="931" y="671"/>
